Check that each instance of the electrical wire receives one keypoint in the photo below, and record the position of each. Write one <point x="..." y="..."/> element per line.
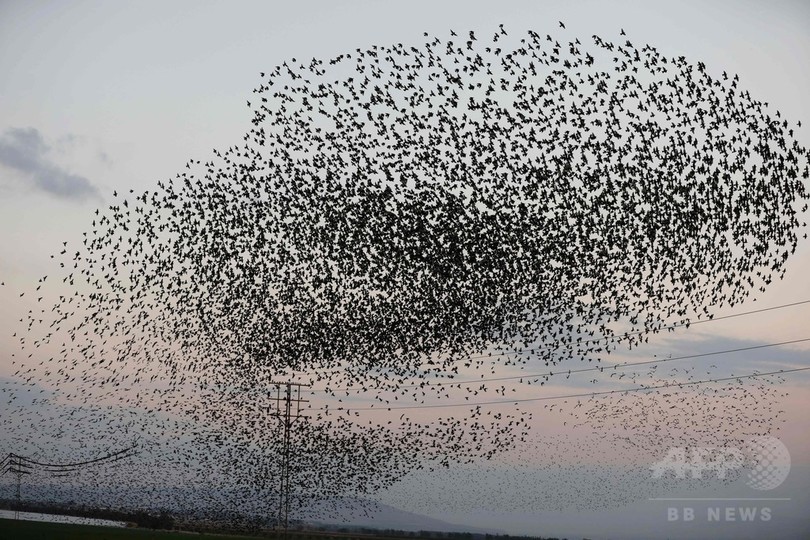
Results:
<point x="564" y="396"/>
<point x="313" y="391"/>
<point x="81" y="463"/>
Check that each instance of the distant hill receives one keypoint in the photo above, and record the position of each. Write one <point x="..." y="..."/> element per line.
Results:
<point x="342" y="513"/>
<point x="374" y="515"/>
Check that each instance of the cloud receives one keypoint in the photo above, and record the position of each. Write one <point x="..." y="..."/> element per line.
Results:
<point x="25" y="150"/>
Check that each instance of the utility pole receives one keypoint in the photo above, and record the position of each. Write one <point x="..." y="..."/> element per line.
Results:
<point x="19" y="465"/>
<point x="18" y="473"/>
<point x="18" y="469"/>
<point x="287" y="409"/>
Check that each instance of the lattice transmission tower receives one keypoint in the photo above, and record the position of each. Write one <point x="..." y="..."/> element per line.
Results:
<point x="287" y="409"/>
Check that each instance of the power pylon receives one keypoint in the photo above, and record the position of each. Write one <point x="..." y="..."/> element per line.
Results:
<point x="288" y="410"/>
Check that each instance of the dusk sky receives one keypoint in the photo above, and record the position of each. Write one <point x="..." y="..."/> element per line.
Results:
<point x="104" y="97"/>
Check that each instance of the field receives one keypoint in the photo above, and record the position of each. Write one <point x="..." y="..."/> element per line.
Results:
<point x="36" y="530"/>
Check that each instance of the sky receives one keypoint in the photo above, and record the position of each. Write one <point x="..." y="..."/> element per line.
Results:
<point x="97" y="97"/>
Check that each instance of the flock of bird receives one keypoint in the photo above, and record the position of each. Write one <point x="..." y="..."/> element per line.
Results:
<point x="595" y="452"/>
<point x="398" y="219"/>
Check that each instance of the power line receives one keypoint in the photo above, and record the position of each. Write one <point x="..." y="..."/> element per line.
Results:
<point x="21" y="465"/>
<point x="772" y="308"/>
<point x="550" y="346"/>
<point x="566" y="396"/>
<point x="116" y="455"/>
<point x="597" y="368"/>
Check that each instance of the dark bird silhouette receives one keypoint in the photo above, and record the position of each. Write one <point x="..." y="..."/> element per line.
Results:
<point x="408" y="227"/>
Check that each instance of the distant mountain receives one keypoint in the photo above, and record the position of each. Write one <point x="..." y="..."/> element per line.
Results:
<point x="374" y="515"/>
<point x="347" y="512"/>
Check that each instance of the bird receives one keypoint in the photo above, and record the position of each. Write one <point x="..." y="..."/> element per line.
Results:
<point x="402" y="229"/>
